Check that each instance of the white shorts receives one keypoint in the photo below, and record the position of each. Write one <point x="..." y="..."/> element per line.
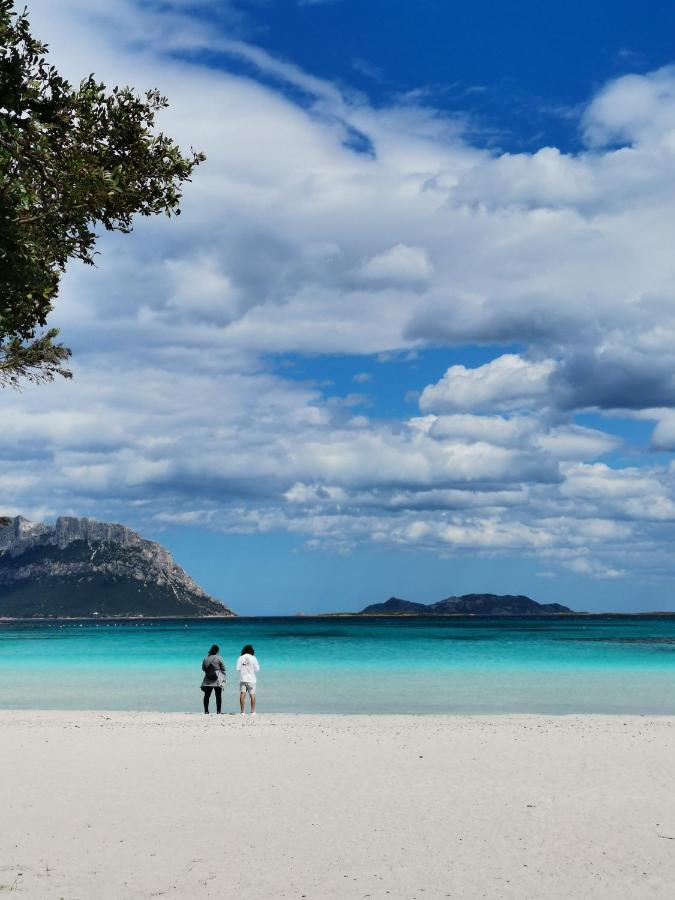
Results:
<point x="247" y="687"/>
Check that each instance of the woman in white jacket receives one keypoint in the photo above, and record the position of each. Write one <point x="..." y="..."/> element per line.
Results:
<point x="247" y="666"/>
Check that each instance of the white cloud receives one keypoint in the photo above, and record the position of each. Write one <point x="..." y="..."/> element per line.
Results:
<point x="515" y="431"/>
<point x="399" y="264"/>
<point x="634" y="109"/>
<point x="508" y="382"/>
<point x="563" y="442"/>
<point x="590" y="567"/>
<point x="483" y="533"/>
<point x="573" y="442"/>
<point x="545" y="178"/>
<point x="663" y="437"/>
<point x="631" y="493"/>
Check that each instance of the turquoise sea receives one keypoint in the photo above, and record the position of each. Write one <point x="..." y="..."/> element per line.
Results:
<point x="603" y="664"/>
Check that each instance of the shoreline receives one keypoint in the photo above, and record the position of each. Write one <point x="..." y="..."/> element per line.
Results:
<point x="341" y="615"/>
<point x="174" y="719"/>
<point x="41" y="619"/>
<point x="396" y="807"/>
<point x="165" y="716"/>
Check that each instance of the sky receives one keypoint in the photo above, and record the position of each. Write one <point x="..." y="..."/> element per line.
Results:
<point x="414" y="332"/>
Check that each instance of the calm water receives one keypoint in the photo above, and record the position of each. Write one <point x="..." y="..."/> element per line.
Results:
<point x="467" y="665"/>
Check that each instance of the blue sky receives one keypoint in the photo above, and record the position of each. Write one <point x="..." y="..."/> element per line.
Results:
<point x="413" y="333"/>
<point x="520" y="72"/>
<point x="521" y="69"/>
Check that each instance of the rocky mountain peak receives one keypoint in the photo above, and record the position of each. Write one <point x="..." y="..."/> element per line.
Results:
<point x="68" y="529"/>
<point x="80" y="566"/>
<point x="20" y="531"/>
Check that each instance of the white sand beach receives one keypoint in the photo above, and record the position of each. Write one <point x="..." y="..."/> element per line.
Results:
<point x="126" y="805"/>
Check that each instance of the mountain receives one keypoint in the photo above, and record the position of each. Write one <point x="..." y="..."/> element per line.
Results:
<point x="467" y="604"/>
<point x="79" y="567"/>
<point x="495" y="605"/>
<point x="394" y="606"/>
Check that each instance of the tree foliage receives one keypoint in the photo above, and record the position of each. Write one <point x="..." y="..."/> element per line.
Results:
<point x="71" y="159"/>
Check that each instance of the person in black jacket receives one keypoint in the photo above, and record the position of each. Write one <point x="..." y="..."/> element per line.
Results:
<point x="214" y="678"/>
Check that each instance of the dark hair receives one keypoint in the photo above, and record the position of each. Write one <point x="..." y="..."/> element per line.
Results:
<point x="214" y="649"/>
<point x="248" y="649"/>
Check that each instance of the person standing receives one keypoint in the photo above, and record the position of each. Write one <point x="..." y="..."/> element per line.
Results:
<point x="214" y="678"/>
<point x="247" y="666"/>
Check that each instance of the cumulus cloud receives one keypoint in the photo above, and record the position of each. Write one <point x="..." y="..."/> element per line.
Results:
<point x="615" y="376"/>
<point x="499" y="430"/>
<point x="663" y="436"/>
<point x="562" y="442"/>
<point x="633" y="109"/>
<point x="546" y="178"/>
<point x="508" y="382"/>
<point x="625" y="494"/>
<point x="574" y="442"/>
<point x="399" y="264"/>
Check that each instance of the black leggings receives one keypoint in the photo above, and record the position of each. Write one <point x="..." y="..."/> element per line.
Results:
<point x="207" y="697"/>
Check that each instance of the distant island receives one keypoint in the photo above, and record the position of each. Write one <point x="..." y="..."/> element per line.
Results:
<point x="80" y="568"/>
<point x="467" y="605"/>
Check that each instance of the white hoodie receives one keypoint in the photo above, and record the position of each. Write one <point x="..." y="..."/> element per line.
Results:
<point x="247" y="666"/>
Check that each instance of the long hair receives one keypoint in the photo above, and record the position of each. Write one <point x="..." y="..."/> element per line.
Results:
<point x="248" y="649"/>
<point x="214" y="649"/>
